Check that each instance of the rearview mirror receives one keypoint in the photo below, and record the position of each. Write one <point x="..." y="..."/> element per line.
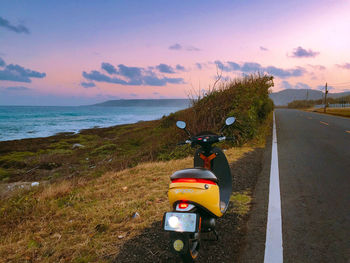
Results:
<point x="229" y="120"/>
<point x="181" y="124"/>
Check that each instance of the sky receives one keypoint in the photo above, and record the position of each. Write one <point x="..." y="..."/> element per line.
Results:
<point x="82" y="52"/>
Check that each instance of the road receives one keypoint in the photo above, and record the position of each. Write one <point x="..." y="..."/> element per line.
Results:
<point x="314" y="166"/>
<point x="314" y="176"/>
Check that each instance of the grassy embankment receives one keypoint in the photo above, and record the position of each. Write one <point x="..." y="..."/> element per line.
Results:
<point x="88" y="218"/>
<point x="343" y="112"/>
<point x="309" y="104"/>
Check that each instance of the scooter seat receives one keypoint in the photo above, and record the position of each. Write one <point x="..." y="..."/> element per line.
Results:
<point x="197" y="173"/>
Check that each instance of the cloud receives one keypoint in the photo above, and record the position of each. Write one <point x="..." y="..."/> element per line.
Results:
<point x="318" y="67"/>
<point x="344" y="66"/>
<point x="2" y="62"/>
<point x="17" y="29"/>
<point x="222" y="67"/>
<point x="285" y="73"/>
<point x="180" y="68"/>
<point x="87" y="84"/>
<point x="231" y="66"/>
<point x="133" y="76"/>
<point x="192" y="48"/>
<point x="263" y="48"/>
<point x="251" y="67"/>
<point x="300" y="52"/>
<point x="286" y="85"/>
<point x="18" y="73"/>
<point x="130" y="72"/>
<point x="165" y="68"/>
<point x="177" y="46"/>
<point x="199" y="66"/>
<point x="248" y="67"/>
<point x="18" y="88"/>
<point x="299" y="85"/>
<point x="99" y="77"/>
<point x="109" y="68"/>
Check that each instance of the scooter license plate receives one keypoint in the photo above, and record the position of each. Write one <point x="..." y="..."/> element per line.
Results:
<point x="181" y="222"/>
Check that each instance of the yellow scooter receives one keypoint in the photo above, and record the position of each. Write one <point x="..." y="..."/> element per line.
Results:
<point x="198" y="195"/>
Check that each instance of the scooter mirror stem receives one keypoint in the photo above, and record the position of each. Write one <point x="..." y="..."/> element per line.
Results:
<point x="182" y="126"/>
<point x="222" y="129"/>
<point x="189" y="134"/>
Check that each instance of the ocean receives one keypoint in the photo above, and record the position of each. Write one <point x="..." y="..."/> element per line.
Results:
<point x="19" y="122"/>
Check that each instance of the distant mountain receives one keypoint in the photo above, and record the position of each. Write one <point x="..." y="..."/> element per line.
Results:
<point x="146" y="103"/>
<point x="283" y="97"/>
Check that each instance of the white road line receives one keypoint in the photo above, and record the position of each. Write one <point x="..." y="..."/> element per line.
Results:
<point x="273" y="244"/>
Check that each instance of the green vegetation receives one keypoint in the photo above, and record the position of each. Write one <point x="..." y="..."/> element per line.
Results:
<point x="301" y="104"/>
<point x="241" y="202"/>
<point x="88" y="218"/>
<point x="95" y="151"/>
<point x="343" y="112"/>
<point x="4" y="174"/>
<point x="304" y="104"/>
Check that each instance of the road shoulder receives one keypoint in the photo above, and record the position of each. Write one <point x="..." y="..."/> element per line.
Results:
<point x="254" y="244"/>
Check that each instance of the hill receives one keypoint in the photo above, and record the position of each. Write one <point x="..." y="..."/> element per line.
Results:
<point x="145" y="103"/>
<point x="283" y="97"/>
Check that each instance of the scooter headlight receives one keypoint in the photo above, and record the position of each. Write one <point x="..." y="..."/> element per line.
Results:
<point x="173" y="221"/>
<point x="181" y="222"/>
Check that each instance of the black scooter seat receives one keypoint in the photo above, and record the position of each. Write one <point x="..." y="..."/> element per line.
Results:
<point x="197" y="173"/>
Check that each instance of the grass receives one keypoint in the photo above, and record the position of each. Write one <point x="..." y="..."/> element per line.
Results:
<point x="241" y="201"/>
<point x="119" y="147"/>
<point x="85" y="212"/>
<point x="343" y="112"/>
<point x="81" y="220"/>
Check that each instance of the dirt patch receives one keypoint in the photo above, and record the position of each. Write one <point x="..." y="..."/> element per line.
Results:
<point x="152" y="245"/>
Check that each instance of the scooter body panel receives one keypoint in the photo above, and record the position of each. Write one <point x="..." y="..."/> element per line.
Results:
<point x="221" y="169"/>
<point x="205" y="195"/>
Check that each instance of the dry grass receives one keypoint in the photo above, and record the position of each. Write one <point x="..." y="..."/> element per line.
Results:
<point x="82" y="221"/>
<point x="344" y="112"/>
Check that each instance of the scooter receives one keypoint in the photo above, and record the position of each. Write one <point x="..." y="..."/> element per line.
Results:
<point x="198" y="195"/>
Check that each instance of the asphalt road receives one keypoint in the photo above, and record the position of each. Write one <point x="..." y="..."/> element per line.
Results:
<point x="314" y="169"/>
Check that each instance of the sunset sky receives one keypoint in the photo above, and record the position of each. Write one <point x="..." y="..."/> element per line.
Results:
<point x="83" y="52"/>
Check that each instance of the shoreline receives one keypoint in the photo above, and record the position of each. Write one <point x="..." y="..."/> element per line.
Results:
<point x="17" y="123"/>
<point x="89" y="152"/>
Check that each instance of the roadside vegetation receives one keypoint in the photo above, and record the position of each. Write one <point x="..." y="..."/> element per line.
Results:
<point x="305" y="104"/>
<point x="309" y="105"/>
<point x="105" y="186"/>
<point x="343" y="112"/>
<point x="93" y="152"/>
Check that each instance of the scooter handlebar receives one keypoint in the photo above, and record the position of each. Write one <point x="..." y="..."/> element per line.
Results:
<point x="185" y="142"/>
<point x="198" y="140"/>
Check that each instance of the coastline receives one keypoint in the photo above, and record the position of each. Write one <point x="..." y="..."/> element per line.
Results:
<point x="65" y="155"/>
<point x="20" y="122"/>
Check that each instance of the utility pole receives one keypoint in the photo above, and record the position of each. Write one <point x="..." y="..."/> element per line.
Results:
<point x="307" y="94"/>
<point x="325" y="98"/>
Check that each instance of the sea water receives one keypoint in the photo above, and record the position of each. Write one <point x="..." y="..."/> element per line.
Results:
<point x="19" y="122"/>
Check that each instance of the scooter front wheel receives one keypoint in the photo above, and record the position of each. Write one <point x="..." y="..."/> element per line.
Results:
<point x="186" y="245"/>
